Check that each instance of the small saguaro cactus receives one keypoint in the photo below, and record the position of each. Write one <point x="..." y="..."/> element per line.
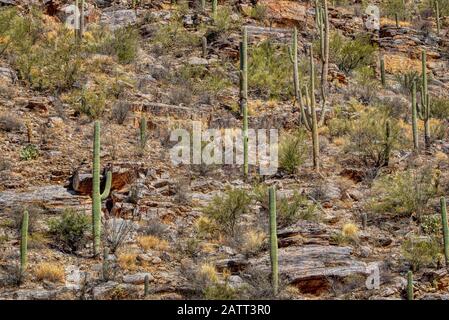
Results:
<point x="214" y="9"/>
<point x="244" y="96"/>
<point x="309" y="115"/>
<point x="273" y="241"/>
<point x="23" y="243"/>
<point x="414" y="118"/>
<point x="106" y="274"/>
<point x="396" y="18"/>
<point x="424" y="109"/>
<point x="437" y="17"/>
<point x="364" y="220"/>
<point x="410" y="285"/>
<point x="382" y="71"/>
<point x="146" y="286"/>
<point x="204" y="46"/>
<point x="77" y="20"/>
<point x="387" y="142"/>
<point x="143" y="133"/>
<point x="445" y="229"/>
<point x="97" y="197"/>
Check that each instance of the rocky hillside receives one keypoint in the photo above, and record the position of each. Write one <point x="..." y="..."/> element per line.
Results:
<point x="362" y="116"/>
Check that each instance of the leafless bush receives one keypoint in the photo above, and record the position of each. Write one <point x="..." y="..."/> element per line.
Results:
<point x="120" y="111"/>
<point x="116" y="232"/>
<point x="182" y="191"/>
<point x="180" y="95"/>
<point x="155" y="228"/>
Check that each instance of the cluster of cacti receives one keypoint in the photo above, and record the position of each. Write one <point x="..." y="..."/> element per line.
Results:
<point x="273" y="240"/>
<point x="308" y="114"/>
<point x="445" y="230"/>
<point x="410" y="285"/>
<point x="382" y="71"/>
<point x="96" y="195"/>
<point x="244" y="95"/>
<point x="423" y="110"/>
<point x="322" y="23"/>
<point x="143" y="133"/>
<point x="23" y="243"/>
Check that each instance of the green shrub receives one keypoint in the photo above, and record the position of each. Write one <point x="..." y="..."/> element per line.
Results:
<point x="30" y="152"/>
<point x="220" y="291"/>
<point x="292" y="151"/>
<point x="125" y="44"/>
<point x="367" y="84"/>
<point x="367" y="138"/>
<point x="70" y="230"/>
<point x="400" y="7"/>
<point x="226" y="209"/>
<point x="270" y="70"/>
<point x="431" y="225"/>
<point x="173" y="36"/>
<point x="224" y="22"/>
<point x="91" y="103"/>
<point x="405" y="193"/>
<point x="295" y="208"/>
<point x="421" y="252"/>
<point x="259" y="12"/>
<point x="439" y="107"/>
<point x="351" y="54"/>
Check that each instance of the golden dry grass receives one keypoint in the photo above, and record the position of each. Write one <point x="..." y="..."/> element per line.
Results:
<point x="50" y="271"/>
<point x="127" y="261"/>
<point x="208" y="272"/>
<point x="152" y="242"/>
<point x="254" y="241"/>
<point x="350" y="231"/>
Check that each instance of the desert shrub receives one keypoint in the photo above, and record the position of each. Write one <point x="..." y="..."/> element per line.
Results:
<point x="253" y="241"/>
<point x="350" y="54"/>
<point x="127" y="260"/>
<point x="259" y="12"/>
<point x="438" y="130"/>
<point x="220" y="291"/>
<point x="70" y="230"/>
<point x="224" y="21"/>
<point x="292" y="151"/>
<point x="294" y="208"/>
<point x="181" y="95"/>
<point x="400" y="7"/>
<point x="406" y="80"/>
<point x="152" y="242"/>
<point x="367" y="138"/>
<point x="404" y="193"/>
<point x="17" y="216"/>
<point x="125" y="44"/>
<point x="116" y="232"/>
<point x="269" y="70"/>
<point x="174" y="36"/>
<point x="206" y="227"/>
<point x="10" y="123"/>
<point x="29" y="152"/>
<point x="431" y="224"/>
<point x="367" y="84"/>
<point x="226" y="209"/>
<point x="421" y="252"/>
<point x="340" y="124"/>
<point x="429" y="6"/>
<point x="47" y="271"/>
<point x="439" y="107"/>
<point x="92" y="102"/>
<point x="120" y="111"/>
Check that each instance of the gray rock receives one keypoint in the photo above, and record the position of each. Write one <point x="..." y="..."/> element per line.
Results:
<point x="197" y="61"/>
<point x="8" y="74"/>
<point x="138" y="278"/>
<point x="119" y="18"/>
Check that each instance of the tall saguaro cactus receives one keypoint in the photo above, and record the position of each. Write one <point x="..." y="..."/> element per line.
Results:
<point x="410" y="295"/>
<point x="81" y="30"/>
<point x="97" y="197"/>
<point x="24" y="243"/>
<point x="424" y="109"/>
<point x="414" y="118"/>
<point x="273" y="241"/>
<point x="445" y="229"/>
<point x="244" y="95"/>
<point x="323" y="26"/>
<point x="293" y="51"/>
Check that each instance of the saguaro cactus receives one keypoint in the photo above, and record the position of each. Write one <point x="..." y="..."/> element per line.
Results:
<point x="244" y="95"/>
<point x="106" y="274"/>
<point x="382" y="71"/>
<point x="445" y="230"/>
<point x="323" y="26"/>
<point x="273" y="241"/>
<point x="24" y="243"/>
<point x="204" y="46"/>
<point x="293" y="51"/>
<point x="396" y="18"/>
<point x="437" y="17"/>
<point x="387" y="142"/>
<point x="410" y="285"/>
<point x="80" y="34"/>
<point x="424" y="109"/>
<point x="214" y="9"/>
<point x="143" y="133"/>
<point x="96" y="196"/>
<point x="146" y="286"/>
<point x="414" y="118"/>
<point x="309" y="115"/>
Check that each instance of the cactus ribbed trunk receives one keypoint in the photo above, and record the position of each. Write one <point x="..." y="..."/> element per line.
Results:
<point x="244" y="96"/>
<point x="273" y="241"/>
<point x="146" y="290"/>
<point x="425" y="101"/>
<point x="445" y="230"/>
<point x="80" y="34"/>
<point x="77" y="20"/>
<point x="204" y="46"/>
<point x="96" y="195"/>
<point x="382" y="71"/>
<point x="315" y="142"/>
<point x="214" y="9"/>
<point x="325" y="51"/>
<point x="387" y="143"/>
<point x="410" y="286"/>
<point x="24" y="243"/>
<point x="294" y="60"/>
<point x="414" y="118"/>
<point x="397" y="20"/>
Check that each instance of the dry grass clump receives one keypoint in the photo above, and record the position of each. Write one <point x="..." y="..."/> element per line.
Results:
<point x="152" y="242"/>
<point x="127" y="261"/>
<point x="50" y="271"/>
